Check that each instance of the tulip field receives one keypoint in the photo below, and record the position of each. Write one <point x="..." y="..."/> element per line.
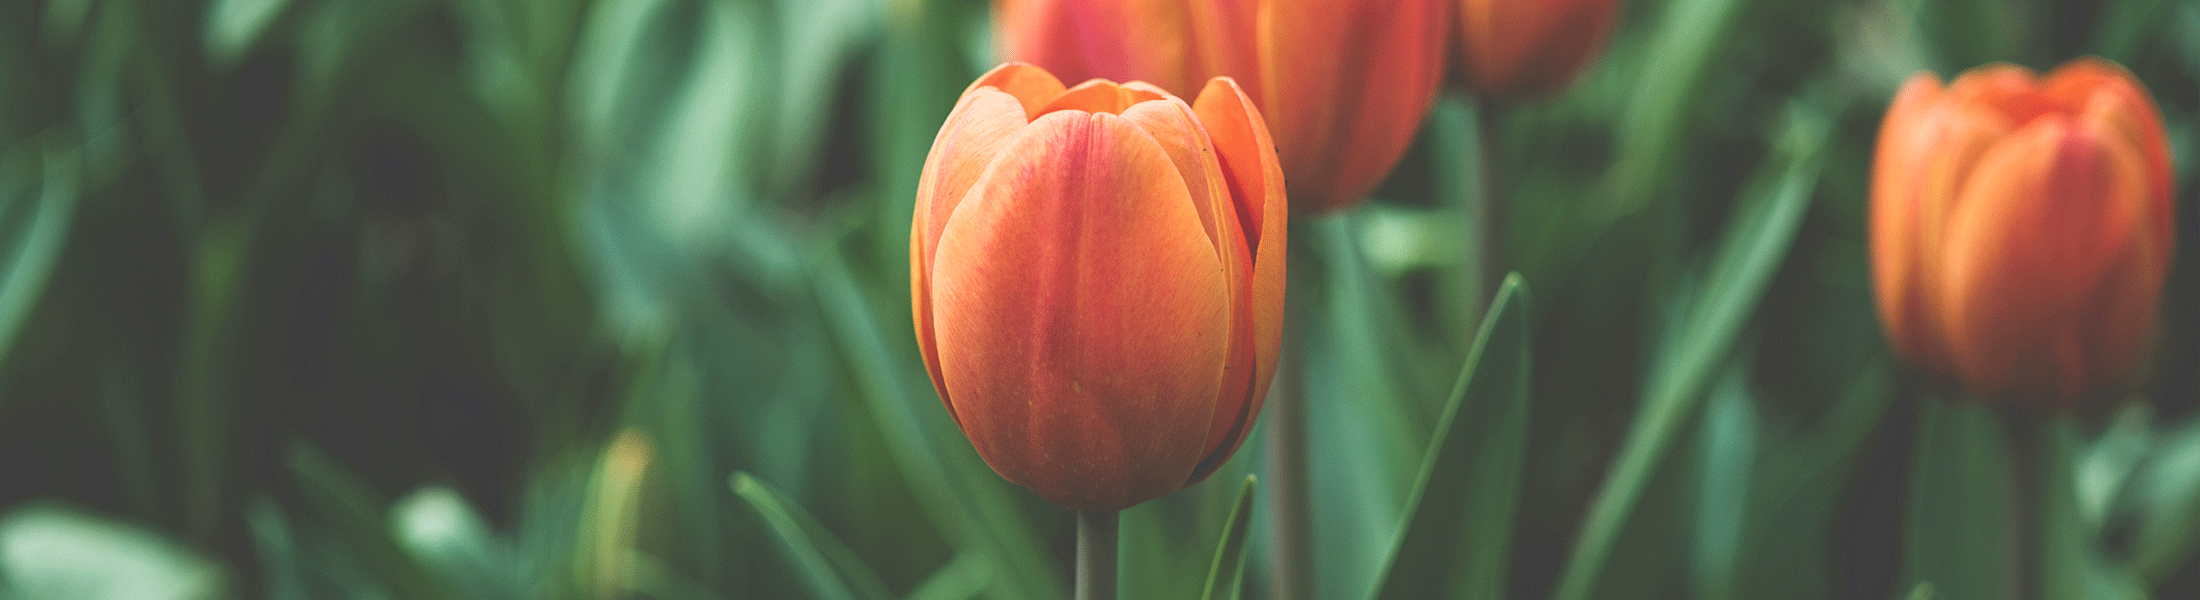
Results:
<point x="1099" y="299"/>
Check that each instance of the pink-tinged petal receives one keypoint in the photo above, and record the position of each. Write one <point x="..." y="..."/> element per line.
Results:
<point x="1082" y="315"/>
<point x="981" y="124"/>
<point x="2109" y="99"/>
<point x="1121" y="40"/>
<point x="2047" y="213"/>
<point x="1248" y="158"/>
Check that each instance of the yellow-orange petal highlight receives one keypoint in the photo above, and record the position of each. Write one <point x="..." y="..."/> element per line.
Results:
<point x="1097" y="282"/>
<point x="2021" y="229"/>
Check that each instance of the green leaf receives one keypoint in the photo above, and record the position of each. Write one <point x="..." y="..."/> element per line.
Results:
<point x="2127" y="26"/>
<point x="51" y="552"/>
<point x="1730" y="451"/>
<point x="817" y="38"/>
<point x="233" y="25"/>
<point x="2071" y="563"/>
<point x="38" y="191"/>
<point x="962" y="579"/>
<point x="1371" y="387"/>
<point x="437" y="528"/>
<point x="973" y="505"/>
<point x="1226" y="577"/>
<point x="338" y="499"/>
<point x="1459" y="516"/>
<point x="1955" y="513"/>
<point x="1701" y="336"/>
<point x="2163" y="498"/>
<point x="832" y="571"/>
<point x="1654" y="128"/>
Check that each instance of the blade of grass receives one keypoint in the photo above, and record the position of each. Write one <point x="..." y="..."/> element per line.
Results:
<point x="1226" y="577"/>
<point x="1455" y="533"/>
<point x="1703" y="336"/>
<point x="832" y="571"/>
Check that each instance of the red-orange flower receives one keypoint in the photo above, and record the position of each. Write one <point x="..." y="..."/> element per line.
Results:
<point x="1344" y="83"/>
<point x="1531" y="47"/>
<point x="2021" y="228"/>
<point x="1096" y="275"/>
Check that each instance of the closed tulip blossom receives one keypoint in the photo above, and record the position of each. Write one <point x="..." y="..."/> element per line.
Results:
<point x="1096" y="274"/>
<point x="1519" y="48"/>
<point x="2021" y="229"/>
<point x="1344" y="83"/>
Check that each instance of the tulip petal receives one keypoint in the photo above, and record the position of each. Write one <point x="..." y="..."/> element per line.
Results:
<point x="1103" y="96"/>
<point x="1894" y="254"/>
<point x="1345" y="87"/>
<point x="1032" y="86"/>
<point x="1515" y="48"/>
<point x="1248" y="159"/>
<point x="1171" y="123"/>
<point x="2011" y="89"/>
<point x="1928" y="148"/>
<point x="1121" y="40"/>
<point x="2109" y="99"/>
<point x="2048" y="213"/>
<point x="1082" y="315"/>
<point x="981" y="124"/>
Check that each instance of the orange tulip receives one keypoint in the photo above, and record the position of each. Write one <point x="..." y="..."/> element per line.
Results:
<point x="2021" y="228"/>
<point x="1531" y="47"/>
<point x="1344" y="83"/>
<point x="1097" y="280"/>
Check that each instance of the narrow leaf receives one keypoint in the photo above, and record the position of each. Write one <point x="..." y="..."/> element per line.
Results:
<point x="832" y="571"/>
<point x="1452" y="542"/>
<point x="962" y="579"/>
<point x="1701" y="337"/>
<point x="38" y="190"/>
<point x="1227" y="575"/>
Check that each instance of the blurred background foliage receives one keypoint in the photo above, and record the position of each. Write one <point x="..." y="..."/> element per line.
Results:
<point x="495" y="298"/>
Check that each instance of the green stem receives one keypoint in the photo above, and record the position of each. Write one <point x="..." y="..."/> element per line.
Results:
<point x="1290" y="517"/>
<point x="2021" y="512"/>
<point x="1096" y="533"/>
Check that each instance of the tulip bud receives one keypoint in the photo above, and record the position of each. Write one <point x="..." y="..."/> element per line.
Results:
<point x="1344" y="83"/>
<point x="1096" y="275"/>
<point x="2021" y="228"/>
<point x="1531" y="47"/>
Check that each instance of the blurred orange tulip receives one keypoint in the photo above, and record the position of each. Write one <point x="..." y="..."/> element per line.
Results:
<point x="1344" y="83"/>
<point x="1531" y="47"/>
<point x="1097" y="280"/>
<point x="2021" y="228"/>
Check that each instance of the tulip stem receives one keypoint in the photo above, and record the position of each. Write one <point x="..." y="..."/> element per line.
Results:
<point x="1291" y="518"/>
<point x="2021" y="512"/>
<point x="1096" y="533"/>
